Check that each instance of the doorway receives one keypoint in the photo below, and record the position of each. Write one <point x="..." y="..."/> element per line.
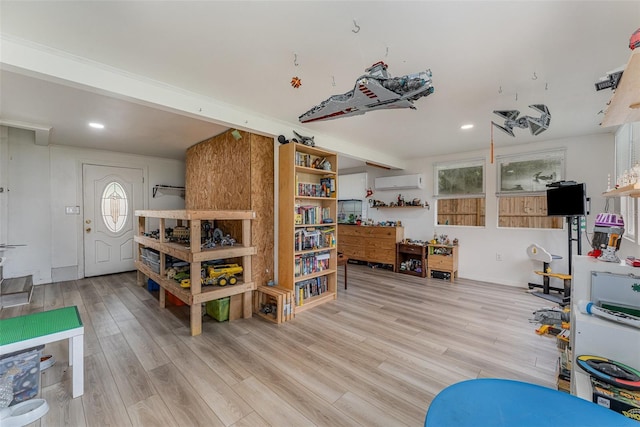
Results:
<point x="110" y="196"/>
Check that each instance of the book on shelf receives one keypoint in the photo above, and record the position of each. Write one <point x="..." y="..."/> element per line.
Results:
<point x="309" y="263"/>
<point x="310" y="238"/>
<point x="310" y="214"/>
<point x="309" y="288"/>
<point x="329" y="186"/>
<point x="303" y="159"/>
<point x="310" y="189"/>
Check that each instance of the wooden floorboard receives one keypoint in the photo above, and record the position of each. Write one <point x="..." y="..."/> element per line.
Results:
<point x="377" y="355"/>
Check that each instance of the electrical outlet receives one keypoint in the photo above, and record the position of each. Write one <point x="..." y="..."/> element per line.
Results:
<point x="498" y="256"/>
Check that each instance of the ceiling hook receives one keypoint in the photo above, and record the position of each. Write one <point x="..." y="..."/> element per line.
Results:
<point x="355" y="24"/>
<point x="534" y="76"/>
<point x="295" y="59"/>
<point x="546" y="86"/>
<point x="333" y="81"/>
<point x="387" y="52"/>
<point x="500" y="90"/>
<point x="516" y="96"/>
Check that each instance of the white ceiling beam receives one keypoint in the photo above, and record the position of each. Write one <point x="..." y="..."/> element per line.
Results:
<point x="43" y="133"/>
<point x="26" y="57"/>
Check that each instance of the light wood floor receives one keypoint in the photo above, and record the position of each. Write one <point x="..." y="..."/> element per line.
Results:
<point x="375" y="357"/>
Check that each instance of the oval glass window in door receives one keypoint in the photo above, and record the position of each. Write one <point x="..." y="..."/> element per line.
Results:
<point x="114" y="206"/>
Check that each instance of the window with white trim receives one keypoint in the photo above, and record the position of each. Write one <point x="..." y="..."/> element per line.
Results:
<point x="627" y="148"/>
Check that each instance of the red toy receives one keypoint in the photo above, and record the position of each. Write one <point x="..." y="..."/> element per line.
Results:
<point x="633" y="262"/>
<point x="634" y="40"/>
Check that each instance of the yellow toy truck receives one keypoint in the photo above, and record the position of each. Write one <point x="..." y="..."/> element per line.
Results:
<point x="222" y="274"/>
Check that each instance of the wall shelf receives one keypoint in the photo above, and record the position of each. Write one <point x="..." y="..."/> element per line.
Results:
<point x="168" y="189"/>
<point x="632" y="190"/>
<point x="402" y="207"/>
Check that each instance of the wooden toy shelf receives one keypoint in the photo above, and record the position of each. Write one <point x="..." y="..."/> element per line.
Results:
<point x="194" y="255"/>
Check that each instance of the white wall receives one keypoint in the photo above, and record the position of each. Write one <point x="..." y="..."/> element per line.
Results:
<point x="28" y="201"/>
<point x="43" y="181"/>
<point x="589" y="159"/>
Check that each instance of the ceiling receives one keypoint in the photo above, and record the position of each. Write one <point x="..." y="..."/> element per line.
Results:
<point x="239" y="57"/>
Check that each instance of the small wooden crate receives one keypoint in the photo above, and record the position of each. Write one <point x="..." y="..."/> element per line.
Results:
<point x="273" y="303"/>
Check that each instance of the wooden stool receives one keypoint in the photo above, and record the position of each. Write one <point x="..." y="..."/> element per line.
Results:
<point x="343" y="260"/>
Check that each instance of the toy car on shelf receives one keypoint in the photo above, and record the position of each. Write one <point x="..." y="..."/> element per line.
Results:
<point x="222" y="274"/>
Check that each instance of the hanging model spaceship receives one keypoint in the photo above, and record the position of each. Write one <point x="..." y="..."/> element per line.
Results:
<point x="537" y="125"/>
<point x="375" y="90"/>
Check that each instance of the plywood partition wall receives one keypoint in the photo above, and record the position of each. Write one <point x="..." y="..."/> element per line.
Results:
<point x="228" y="173"/>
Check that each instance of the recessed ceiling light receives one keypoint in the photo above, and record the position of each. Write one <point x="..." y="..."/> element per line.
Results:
<point x="467" y="126"/>
<point x="96" y="125"/>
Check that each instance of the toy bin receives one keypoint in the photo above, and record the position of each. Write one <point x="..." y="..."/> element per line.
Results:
<point x="152" y="286"/>
<point x="219" y="309"/>
<point x="22" y="368"/>
<point x="174" y="299"/>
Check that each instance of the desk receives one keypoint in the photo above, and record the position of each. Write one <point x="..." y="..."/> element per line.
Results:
<point x="497" y="402"/>
<point x="343" y="260"/>
<point x="32" y="330"/>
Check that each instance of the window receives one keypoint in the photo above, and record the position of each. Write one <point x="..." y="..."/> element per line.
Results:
<point x="460" y="193"/>
<point x="628" y="211"/>
<point x="627" y="145"/>
<point x="115" y="206"/>
<point x="522" y="185"/>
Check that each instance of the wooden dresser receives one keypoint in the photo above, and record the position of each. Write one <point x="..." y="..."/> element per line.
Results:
<point x="370" y="243"/>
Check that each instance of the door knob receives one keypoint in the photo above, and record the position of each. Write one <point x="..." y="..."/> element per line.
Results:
<point x="88" y="229"/>
<point x="88" y="221"/>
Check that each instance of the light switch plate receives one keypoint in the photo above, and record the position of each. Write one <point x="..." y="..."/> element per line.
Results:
<point x="72" y="210"/>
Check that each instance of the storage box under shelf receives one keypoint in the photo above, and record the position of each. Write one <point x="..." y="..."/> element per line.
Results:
<point x="219" y="309"/>
<point x="273" y="303"/>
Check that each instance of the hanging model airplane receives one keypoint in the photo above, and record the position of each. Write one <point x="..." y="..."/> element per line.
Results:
<point x="375" y="90"/>
<point x="537" y="125"/>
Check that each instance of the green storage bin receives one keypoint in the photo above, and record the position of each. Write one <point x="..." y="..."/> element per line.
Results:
<point x="219" y="309"/>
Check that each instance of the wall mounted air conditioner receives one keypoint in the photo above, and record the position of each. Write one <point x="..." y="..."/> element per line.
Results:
<point x="402" y="182"/>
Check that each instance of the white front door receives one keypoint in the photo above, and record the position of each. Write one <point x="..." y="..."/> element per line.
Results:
<point x="111" y="195"/>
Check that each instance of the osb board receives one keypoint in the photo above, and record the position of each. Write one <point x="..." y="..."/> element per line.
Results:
<point x="225" y="173"/>
<point x="218" y="173"/>
<point x="262" y="202"/>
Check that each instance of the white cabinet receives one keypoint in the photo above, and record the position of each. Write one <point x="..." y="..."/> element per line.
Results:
<point x="352" y="186"/>
<point x="591" y="335"/>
